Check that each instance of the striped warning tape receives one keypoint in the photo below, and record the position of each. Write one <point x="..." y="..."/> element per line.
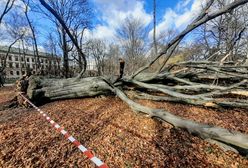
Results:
<point x="85" y="151"/>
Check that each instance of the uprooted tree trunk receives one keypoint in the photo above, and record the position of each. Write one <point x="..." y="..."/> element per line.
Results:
<point x="198" y="83"/>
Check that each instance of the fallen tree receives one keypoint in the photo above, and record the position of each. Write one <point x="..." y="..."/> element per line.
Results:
<point x="42" y="89"/>
<point x="198" y="83"/>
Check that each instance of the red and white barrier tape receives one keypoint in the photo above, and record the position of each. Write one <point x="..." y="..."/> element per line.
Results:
<point x="85" y="151"/>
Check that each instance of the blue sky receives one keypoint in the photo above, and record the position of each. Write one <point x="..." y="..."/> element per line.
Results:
<point x="110" y="14"/>
<point x="171" y="14"/>
<point x="162" y="5"/>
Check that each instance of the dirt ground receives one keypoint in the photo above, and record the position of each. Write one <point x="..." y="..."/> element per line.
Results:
<point x="118" y="136"/>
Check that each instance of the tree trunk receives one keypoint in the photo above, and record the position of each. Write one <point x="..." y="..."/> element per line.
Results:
<point x="154" y="28"/>
<point x="54" y="89"/>
<point x="65" y="55"/>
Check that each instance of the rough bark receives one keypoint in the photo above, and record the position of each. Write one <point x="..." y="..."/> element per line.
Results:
<point x="54" y="89"/>
<point x="236" y="139"/>
<point x="154" y="27"/>
<point x="65" y="54"/>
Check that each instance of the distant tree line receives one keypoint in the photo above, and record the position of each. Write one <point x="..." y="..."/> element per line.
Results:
<point x="224" y="37"/>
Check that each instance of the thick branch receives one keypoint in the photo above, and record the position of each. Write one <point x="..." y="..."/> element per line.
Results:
<point x="236" y="139"/>
<point x="7" y="53"/>
<point x="8" y="6"/>
<point x="63" y="24"/>
<point x="192" y="26"/>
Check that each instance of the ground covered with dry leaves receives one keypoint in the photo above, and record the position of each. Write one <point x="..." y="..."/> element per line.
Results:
<point x="118" y="136"/>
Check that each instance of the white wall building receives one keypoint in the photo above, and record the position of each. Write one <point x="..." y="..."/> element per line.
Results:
<point x="17" y="62"/>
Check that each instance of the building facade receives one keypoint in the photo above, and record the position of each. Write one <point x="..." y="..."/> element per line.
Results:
<point x="18" y="61"/>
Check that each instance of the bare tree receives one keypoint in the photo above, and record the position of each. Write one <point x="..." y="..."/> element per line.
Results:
<point x="154" y="27"/>
<point x="54" y="61"/>
<point x="32" y="28"/>
<point x="133" y="35"/>
<point x="7" y="7"/>
<point x="69" y="15"/>
<point x="97" y="51"/>
<point x="78" y="34"/>
<point x="224" y="34"/>
<point x="15" y="30"/>
<point x="111" y="62"/>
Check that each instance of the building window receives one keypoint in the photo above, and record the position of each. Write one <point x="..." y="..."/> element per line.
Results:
<point x="46" y="61"/>
<point x="22" y="59"/>
<point x="42" y="60"/>
<point x="27" y="59"/>
<point x="28" y="65"/>
<point x="23" y="66"/>
<point x="32" y="59"/>
<point x="10" y="58"/>
<point x="11" y="73"/>
<point x="17" y="73"/>
<point x="10" y="65"/>
<point x="23" y="72"/>
<point x="16" y="58"/>
<point x="17" y="65"/>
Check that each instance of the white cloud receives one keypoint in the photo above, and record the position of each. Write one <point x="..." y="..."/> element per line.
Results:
<point x="182" y="4"/>
<point x="101" y="32"/>
<point x="185" y="18"/>
<point x="114" y="12"/>
<point x="168" y="21"/>
<point x="179" y="17"/>
<point x="115" y="17"/>
<point x="17" y="3"/>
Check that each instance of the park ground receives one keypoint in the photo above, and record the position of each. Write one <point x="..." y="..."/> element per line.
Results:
<point x="115" y="134"/>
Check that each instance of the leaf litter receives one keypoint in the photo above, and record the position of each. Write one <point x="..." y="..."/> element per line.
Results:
<point x="115" y="134"/>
